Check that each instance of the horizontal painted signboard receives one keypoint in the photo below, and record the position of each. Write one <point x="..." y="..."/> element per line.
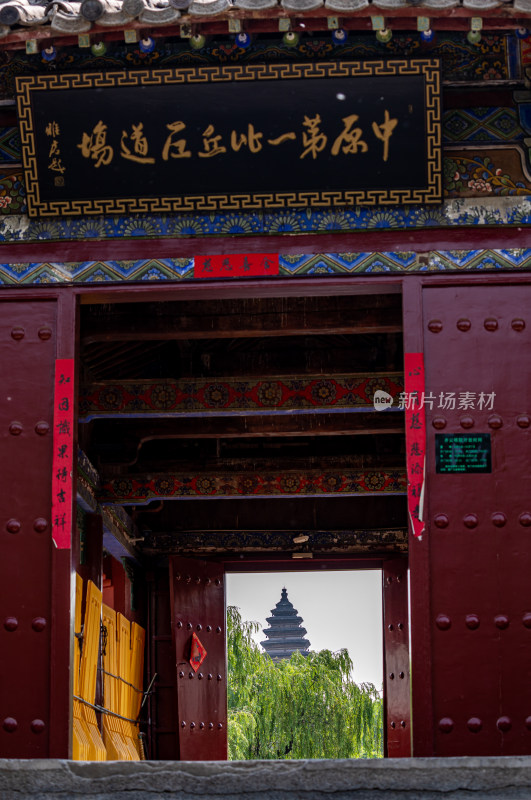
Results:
<point x="233" y="137"/>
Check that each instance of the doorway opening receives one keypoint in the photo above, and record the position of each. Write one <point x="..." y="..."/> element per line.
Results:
<point x="327" y="700"/>
<point x="236" y="434"/>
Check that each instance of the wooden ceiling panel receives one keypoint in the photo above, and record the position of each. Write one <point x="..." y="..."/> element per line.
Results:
<point x="296" y="445"/>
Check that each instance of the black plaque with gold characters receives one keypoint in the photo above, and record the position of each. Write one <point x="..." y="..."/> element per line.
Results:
<point x="232" y="137"/>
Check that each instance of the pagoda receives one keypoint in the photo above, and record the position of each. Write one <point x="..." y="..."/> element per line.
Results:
<point x="285" y="635"/>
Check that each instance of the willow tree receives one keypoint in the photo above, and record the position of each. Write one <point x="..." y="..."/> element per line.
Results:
<point x="304" y="707"/>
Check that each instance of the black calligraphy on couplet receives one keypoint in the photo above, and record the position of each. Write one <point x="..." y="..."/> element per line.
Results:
<point x="415" y="440"/>
<point x="63" y="455"/>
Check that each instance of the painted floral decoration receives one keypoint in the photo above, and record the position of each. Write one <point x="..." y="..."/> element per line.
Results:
<point x="479" y="176"/>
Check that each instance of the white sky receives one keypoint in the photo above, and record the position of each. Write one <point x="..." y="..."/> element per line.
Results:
<point x="339" y="609"/>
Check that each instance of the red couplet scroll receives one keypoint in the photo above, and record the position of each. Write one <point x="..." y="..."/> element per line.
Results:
<point x="63" y="455"/>
<point x="414" y="390"/>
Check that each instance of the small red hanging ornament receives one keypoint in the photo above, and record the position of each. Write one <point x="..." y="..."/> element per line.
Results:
<point x="197" y="654"/>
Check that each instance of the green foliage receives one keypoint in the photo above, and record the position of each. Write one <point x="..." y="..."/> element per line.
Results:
<point x="307" y="707"/>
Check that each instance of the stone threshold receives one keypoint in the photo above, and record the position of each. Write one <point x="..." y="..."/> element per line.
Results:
<point x="489" y="778"/>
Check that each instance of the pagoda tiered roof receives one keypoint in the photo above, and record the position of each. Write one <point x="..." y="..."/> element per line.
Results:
<point x="285" y="635"/>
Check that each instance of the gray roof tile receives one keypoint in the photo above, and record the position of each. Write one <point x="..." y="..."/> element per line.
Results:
<point x="440" y="4"/>
<point x="257" y="5"/>
<point x="19" y="12"/>
<point x="207" y="7"/>
<point x="481" y="5"/>
<point x="110" y="13"/>
<point x="159" y="13"/>
<point x="346" y="5"/>
<point x="390" y="3"/>
<point x="133" y="7"/>
<point x="301" y="5"/>
<point x="68" y="16"/>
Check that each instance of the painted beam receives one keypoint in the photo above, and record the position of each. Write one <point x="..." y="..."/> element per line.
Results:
<point x="462" y="226"/>
<point x="235" y="396"/>
<point x="141" y="489"/>
<point x="254" y="541"/>
<point x="355" y="315"/>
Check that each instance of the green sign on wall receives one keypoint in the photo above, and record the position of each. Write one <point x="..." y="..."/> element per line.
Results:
<point x="463" y="452"/>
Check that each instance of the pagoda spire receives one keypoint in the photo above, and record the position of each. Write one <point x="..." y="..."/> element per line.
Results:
<point x="285" y="635"/>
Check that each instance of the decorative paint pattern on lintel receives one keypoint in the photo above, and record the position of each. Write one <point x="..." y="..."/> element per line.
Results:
<point x="318" y="264"/>
<point x="494" y="209"/>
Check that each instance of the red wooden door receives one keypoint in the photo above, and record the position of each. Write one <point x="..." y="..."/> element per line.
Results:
<point x="27" y="354"/>
<point x="198" y="623"/>
<point x="397" y="732"/>
<point x="478" y="342"/>
<point x="163" y="741"/>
